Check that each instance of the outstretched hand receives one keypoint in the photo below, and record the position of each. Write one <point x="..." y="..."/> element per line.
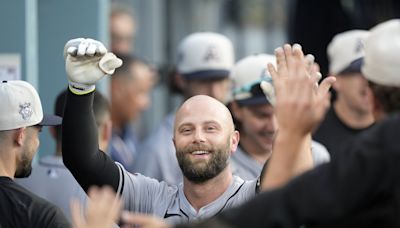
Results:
<point x="300" y="103"/>
<point x="86" y="62"/>
<point x="102" y="210"/>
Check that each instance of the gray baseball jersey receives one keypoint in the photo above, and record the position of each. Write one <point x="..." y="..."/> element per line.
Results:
<point x="248" y="168"/>
<point x="147" y="195"/>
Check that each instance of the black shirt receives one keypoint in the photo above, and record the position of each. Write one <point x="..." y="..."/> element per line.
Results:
<point x="334" y="134"/>
<point x="21" y="208"/>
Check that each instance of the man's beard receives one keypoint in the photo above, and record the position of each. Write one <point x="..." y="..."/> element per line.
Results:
<point x="24" y="168"/>
<point x="200" y="173"/>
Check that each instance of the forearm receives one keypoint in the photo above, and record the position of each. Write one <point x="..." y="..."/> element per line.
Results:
<point x="80" y="145"/>
<point x="304" y="160"/>
<point x="285" y="160"/>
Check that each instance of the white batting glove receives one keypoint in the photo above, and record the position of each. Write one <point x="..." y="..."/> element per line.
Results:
<point x="269" y="91"/>
<point x="86" y="62"/>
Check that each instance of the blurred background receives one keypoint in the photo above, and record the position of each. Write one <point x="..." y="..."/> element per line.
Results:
<point x="33" y="34"/>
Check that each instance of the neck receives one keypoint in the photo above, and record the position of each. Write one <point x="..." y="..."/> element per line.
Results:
<point x="353" y="118"/>
<point x="257" y="153"/>
<point x="7" y="163"/>
<point x="200" y="195"/>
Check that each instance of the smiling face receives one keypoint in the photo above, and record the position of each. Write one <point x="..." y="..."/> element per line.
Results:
<point x="258" y="126"/>
<point x="204" y="138"/>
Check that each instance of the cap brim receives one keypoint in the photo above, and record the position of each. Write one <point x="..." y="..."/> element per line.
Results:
<point x="50" y="120"/>
<point x="207" y="74"/>
<point x="259" y="100"/>
<point x="354" y="67"/>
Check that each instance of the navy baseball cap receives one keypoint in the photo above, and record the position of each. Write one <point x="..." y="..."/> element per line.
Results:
<point x="353" y="67"/>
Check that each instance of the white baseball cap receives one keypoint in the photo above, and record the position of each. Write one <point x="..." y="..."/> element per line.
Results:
<point x="345" y="52"/>
<point x="247" y="75"/>
<point x="382" y="60"/>
<point x="20" y="106"/>
<point x="205" y="55"/>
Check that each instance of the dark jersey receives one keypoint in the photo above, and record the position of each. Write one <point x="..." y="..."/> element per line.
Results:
<point x="334" y="134"/>
<point x="21" y="208"/>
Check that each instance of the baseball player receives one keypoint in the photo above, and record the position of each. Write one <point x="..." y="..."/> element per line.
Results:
<point x="204" y="138"/>
<point x="255" y="119"/>
<point x="21" y="121"/>
<point x="351" y="112"/>
<point x="203" y="65"/>
<point x="361" y="189"/>
<point x="50" y="179"/>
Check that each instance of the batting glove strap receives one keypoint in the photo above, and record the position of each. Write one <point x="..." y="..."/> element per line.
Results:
<point x="81" y="89"/>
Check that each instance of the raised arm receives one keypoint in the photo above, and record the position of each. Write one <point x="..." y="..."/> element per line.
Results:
<point x="300" y="105"/>
<point x="87" y="61"/>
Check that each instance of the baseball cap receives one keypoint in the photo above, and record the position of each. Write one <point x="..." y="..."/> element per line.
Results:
<point x="205" y="55"/>
<point x="247" y="75"/>
<point x="345" y="52"/>
<point x="382" y="48"/>
<point x="21" y="107"/>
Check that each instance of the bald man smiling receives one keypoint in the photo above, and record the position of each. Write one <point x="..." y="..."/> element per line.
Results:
<point x="204" y="138"/>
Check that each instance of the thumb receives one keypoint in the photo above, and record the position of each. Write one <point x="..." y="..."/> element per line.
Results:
<point x="109" y="62"/>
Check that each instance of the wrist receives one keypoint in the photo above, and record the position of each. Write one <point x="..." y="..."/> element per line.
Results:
<point x="80" y="89"/>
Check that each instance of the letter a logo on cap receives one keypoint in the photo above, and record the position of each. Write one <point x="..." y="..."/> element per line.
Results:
<point x="359" y="46"/>
<point x="212" y="54"/>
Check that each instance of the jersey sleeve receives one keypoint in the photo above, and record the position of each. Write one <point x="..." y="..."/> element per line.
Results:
<point x="80" y="150"/>
<point x="144" y="194"/>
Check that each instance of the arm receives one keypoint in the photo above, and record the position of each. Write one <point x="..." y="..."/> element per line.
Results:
<point x="300" y="105"/>
<point x="333" y="193"/>
<point x="87" y="61"/>
<point x="81" y="154"/>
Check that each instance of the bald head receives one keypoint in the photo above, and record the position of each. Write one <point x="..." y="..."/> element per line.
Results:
<point x="202" y="108"/>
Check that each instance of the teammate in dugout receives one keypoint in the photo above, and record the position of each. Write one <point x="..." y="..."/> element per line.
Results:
<point x="204" y="138"/>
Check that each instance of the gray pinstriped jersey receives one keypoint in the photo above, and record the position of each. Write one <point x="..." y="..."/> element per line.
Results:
<point x="147" y="195"/>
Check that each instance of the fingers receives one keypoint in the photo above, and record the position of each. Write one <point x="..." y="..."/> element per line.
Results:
<point x="84" y="47"/>
<point x="300" y="67"/>
<point x="280" y="61"/>
<point x="272" y="71"/>
<point x="76" y="214"/>
<point x="109" y="63"/>
<point x="143" y="220"/>
<point x="325" y="85"/>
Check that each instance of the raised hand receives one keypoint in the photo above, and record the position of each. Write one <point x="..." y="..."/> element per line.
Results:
<point x="86" y="62"/>
<point x="300" y="102"/>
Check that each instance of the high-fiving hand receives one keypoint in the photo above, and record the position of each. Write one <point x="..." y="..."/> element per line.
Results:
<point x="300" y="102"/>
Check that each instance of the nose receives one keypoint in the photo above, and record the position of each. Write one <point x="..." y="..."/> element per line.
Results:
<point x="199" y="137"/>
<point x="271" y="124"/>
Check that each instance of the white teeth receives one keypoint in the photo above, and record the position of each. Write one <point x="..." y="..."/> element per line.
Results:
<point x="199" y="152"/>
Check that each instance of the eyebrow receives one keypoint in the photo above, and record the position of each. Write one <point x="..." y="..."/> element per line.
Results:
<point x="203" y="123"/>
